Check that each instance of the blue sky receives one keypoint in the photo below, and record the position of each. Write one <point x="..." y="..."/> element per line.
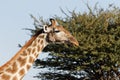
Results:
<point x="14" y="16"/>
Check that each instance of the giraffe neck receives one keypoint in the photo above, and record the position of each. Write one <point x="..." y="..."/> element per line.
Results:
<point x="17" y="67"/>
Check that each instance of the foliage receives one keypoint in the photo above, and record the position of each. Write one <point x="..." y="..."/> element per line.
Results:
<point x="98" y="33"/>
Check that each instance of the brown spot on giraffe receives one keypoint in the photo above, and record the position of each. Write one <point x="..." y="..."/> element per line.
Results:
<point x="15" y="78"/>
<point x="28" y="66"/>
<point x="33" y="50"/>
<point x="21" y="72"/>
<point x="38" y="40"/>
<point x="41" y="42"/>
<point x="24" y="53"/>
<point x="34" y="43"/>
<point x="22" y="61"/>
<point x="38" y="48"/>
<point x="31" y="59"/>
<point x="29" y="50"/>
<point x="5" y="77"/>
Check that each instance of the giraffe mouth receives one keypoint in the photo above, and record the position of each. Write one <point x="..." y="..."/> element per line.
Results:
<point x="63" y="42"/>
<point x="69" y="43"/>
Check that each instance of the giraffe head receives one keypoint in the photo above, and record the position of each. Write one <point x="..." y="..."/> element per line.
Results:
<point x="58" y="34"/>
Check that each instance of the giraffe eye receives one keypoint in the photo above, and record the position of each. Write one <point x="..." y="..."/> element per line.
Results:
<point x="56" y="31"/>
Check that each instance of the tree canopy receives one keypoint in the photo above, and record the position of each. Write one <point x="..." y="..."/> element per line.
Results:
<point x="97" y="57"/>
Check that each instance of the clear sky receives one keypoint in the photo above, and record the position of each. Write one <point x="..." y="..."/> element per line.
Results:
<point x="14" y="16"/>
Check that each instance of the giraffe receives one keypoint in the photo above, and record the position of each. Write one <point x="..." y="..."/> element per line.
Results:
<point x="18" y="65"/>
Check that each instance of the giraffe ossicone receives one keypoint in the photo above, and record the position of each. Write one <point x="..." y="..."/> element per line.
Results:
<point x="18" y="65"/>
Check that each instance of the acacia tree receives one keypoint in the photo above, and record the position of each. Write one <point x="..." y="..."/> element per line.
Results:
<point x="97" y="57"/>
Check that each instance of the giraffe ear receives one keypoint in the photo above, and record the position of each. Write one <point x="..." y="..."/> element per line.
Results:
<point x="45" y="28"/>
<point x="53" y="22"/>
